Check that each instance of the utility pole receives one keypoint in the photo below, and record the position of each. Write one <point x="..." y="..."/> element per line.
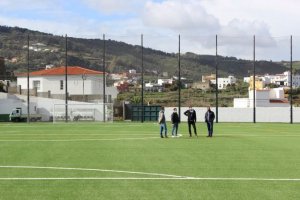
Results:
<point x="28" y="92"/>
<point x="104" y="77"/>
<point x="142" y="101"/>
<point x="179" y="77"/>
<point x="217" y="88"/>
<point x="83" y="79"/>
<point x="66" y="77"/>
<point x="254" y="86"/>
<point x="291" y="83"/>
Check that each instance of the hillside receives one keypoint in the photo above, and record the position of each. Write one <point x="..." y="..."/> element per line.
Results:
<point x="50" y="49"/>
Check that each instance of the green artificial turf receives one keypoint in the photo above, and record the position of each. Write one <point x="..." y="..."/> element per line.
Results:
<point x="238" y="150"/>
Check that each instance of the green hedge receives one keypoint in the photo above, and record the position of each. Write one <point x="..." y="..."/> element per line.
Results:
<point x="4" y="117"/>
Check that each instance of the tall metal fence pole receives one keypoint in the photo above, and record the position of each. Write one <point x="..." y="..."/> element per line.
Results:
<point x="179" y="77"/>
<point x="66" y="77"/>
<point x="217" y="88"/>
<point x="254" y="78"/>
<point x="28" y="92"/>
<point x="291" y="83"/>
<point x="142" y="58"/>
<point x="104" y="77"/>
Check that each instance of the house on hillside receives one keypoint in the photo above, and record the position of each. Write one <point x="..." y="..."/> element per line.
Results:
<point x="82" y="82"/>
<point x="201" y="85"/>
<point x="224" y="82"/>
<point x="281" y="80"/>
<point x="165" y="81"/>
<point x="208" y="78"/>
<point x="153" y="87"/>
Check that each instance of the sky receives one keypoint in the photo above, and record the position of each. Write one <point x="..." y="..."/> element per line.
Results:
<point x="161" y="21"/>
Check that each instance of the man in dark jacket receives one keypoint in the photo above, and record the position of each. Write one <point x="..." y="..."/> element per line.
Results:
<point x="175" y="122"/>
<point x="192" y="118"/>
<point x="209" y="119"/>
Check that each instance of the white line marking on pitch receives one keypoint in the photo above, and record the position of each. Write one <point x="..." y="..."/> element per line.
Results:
<point x="84" y="134"/>
<point x="10" y="131"/>
<point x="125" y="134"/>
<point x="164" y="176"/>
<point x="97" y="170"/>
<point x="77" y="140"/>
<point x="82" y="125"/>
<point x="246" y="135"/>
<point x="142" y="178"/>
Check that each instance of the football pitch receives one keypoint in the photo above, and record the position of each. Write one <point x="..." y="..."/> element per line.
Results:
<point x="130" y="161"/>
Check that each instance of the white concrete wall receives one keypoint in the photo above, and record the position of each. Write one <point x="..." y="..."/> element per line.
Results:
<point x="273" y="114"/>
<point x="39" y="105"/>
<point x="9" y="102"/>
<point x="241" y="103"/>
<point x="229" y="114"/>
<point x="44" y="106"/>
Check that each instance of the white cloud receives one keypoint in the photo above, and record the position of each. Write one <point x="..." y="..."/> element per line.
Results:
<point x="199" y="27"/>
<point x="180" y="16"/>
<point x="280" y="16"/>
<point x="237" y="32"/>
<point x="11" y="5"/>
<point x="114" y="6"/>
<point x="162" y="20"/>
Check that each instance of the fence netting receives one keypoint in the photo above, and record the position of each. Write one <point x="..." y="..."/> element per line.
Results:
<point x="242" y="78"/>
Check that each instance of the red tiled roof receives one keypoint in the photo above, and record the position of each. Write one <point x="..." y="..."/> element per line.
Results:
<point x="57" y="71"/>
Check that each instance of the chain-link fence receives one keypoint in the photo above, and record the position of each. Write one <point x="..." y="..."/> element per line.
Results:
<point x="249" y="78"/>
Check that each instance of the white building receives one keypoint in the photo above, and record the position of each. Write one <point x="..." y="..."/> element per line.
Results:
<point x="164" y="81"/>
<point x="132" y="71"/>
<point x="118" y="77"/>
<point x="223" y="82"/>
<point x="246" y="79"/>
<point x="153" y="87"/>
<point x="287" y="79"/>
<point x="283" y="79"/>
<point x="263" y="98"/>
<point x="81" y="81"/>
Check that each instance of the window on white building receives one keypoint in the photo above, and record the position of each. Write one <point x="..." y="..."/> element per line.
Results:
<point x="37" y="84"/>
<point x="61" y="85"/>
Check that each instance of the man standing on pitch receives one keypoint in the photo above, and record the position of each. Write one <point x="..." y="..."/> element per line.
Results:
<point x="192" y="118"/>
<point x="209" y="119"/>
<point x="162" y="122"/>
<point x="175" y="122"/>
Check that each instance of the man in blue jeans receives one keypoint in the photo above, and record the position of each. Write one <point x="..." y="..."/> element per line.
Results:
<point x="162" y="123"/>
<point x="175" y="121"/>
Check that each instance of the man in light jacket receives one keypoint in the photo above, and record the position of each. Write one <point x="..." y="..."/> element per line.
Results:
<point x="162" y="123"/>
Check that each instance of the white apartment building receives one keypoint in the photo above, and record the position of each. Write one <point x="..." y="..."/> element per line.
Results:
<point x="223" y="82"/>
